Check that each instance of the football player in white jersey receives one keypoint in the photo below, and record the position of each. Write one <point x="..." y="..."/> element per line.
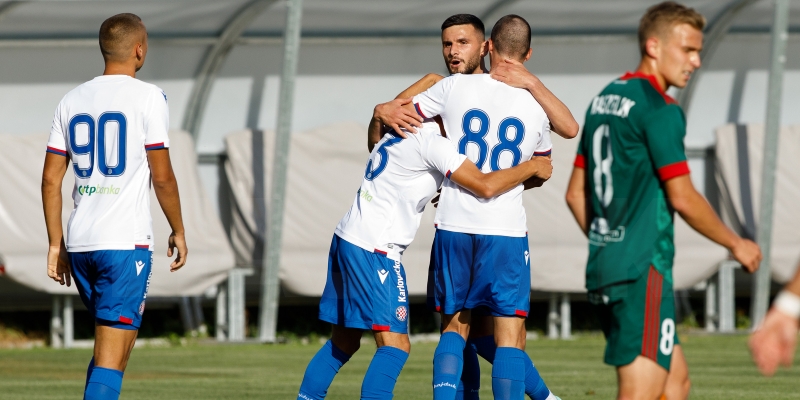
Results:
<point x="463" y="50"/>
<point x="111" y="132"/>
<point x="366" y="285"/>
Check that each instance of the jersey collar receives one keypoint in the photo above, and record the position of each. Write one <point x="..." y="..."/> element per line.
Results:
<point x="653" y="81"/>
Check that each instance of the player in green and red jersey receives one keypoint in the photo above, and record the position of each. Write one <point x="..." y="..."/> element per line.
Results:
<point x="630" y="176"/>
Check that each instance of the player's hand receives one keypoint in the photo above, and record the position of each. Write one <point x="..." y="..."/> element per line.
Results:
<point x="534" y="182"/>
<point x="544" y="167"/>
<point x="774" y="342"/>
<point x="394" y="115"/>
<point x="747" y="253"/>
<point x="177" y="240"/>
<point x="58" y="267"/>
<point x="513" y="73"/>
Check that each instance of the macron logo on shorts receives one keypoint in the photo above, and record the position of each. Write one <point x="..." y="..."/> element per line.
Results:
<point x="527" y="256"/>
<point x="383" y="274"/>
<point x="139" y="267"/>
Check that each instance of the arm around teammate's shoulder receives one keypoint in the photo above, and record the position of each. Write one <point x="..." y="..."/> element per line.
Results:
<point x="496" y="183"/>
<point x="166" y="188"/>
<point x="514" y="73"/>
<point x="696" y="211"/>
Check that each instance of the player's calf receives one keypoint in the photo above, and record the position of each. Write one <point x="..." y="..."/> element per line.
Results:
<point x="386" y="365"/>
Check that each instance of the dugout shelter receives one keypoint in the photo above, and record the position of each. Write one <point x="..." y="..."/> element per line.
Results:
<point x="297" y="69"/>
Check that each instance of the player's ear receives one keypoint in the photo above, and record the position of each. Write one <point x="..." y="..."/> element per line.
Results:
<point x="652" y="46"/>
<point x="527" y="55"/>
<point x="488" y="47"/>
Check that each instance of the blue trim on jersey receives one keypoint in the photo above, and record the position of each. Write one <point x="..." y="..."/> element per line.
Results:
<point x="543" y="153"/>
<point x="56" y="151"/>
<point x="154" y="146"/>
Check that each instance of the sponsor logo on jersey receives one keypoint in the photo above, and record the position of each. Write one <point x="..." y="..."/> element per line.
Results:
<point x="364" y="194"/>
<point x="401" y="313"/>
<point x="139" y="267"/>
<point x="401" y="283"/>
<point x="97" y="189"/>
<point x="383" y="274"/>
<point x="600" y="233"/>
<point x="612" y="104"/>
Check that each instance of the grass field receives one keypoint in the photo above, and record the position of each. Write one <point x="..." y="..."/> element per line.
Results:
<point x="720" y="369"/>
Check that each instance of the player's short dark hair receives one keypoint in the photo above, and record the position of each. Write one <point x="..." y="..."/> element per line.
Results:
<point x="511" y="36"/>
<point x="663" y="16"/>
<point x="464" y="19"/>
<point x="117" y="33"/>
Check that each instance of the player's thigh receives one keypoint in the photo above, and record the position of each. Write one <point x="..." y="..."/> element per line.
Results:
<point x="458" y="322"/>
<point x="508" y="332"/>
<point x="393" y="339"/>
<point x="638" y="319"/>
<point x="678" y="383"/>
<point x="365" y="290"/>
<point x="120" y="291"/>
<point x="346" y="339"/>
<point x="112" y="346"/>
<point x="643" y="379"/>
<point x="501" y="277"/>
<point x="481" y="323"/>
<point x="450" y="275"/>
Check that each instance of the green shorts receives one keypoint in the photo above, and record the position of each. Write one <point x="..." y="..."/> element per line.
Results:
<point x="638" y="318"/>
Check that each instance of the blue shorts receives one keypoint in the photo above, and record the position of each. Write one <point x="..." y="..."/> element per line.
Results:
<point x="365" y="290"/>
<point x="469" y="271"/>
<point x="113" y="284"/>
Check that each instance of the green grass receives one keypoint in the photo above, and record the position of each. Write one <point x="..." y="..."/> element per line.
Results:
<point x="720" y="369"/>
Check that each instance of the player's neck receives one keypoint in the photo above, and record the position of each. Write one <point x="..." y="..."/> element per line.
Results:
<point x="120" y="69"/>
<point x="648" y="66"/>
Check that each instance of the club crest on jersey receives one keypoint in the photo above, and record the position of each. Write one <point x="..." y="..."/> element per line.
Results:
<point x="401" y="313"/>
<point x="382" y="274"/>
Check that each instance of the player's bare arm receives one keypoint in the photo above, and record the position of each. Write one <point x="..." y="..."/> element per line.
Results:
<point x="498" y="182"/>
<point x="55" y="166"/>
<point x="513" y="73"/>
<point x="393" y="115"/>
<point x="166" y="188"/>
<point x="576" y="198"/>
<point x="774" y="342"/>
<point x="696" y="211"/>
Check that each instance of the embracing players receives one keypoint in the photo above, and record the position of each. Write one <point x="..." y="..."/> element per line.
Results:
<point x="464" y="47"/>
<point x="630" y="175"/>
<point x="366" y="286"/>
<point x="111" y="132"/>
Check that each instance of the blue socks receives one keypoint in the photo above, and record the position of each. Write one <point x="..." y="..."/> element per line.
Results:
<point x="89" y="373"/>
<point x="534" y="384"/>
<point x="382" y="373"/>
<point x="470" y="383"/>
<point x="535" y="387"/>
<point x="508" y="373"/>
<point x="447" y="366"/>
<point x="103" y="384"/>
<point x="321" y="371"/>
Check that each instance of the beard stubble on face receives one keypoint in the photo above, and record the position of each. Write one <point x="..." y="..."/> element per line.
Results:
<point x="464" y="66"/>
